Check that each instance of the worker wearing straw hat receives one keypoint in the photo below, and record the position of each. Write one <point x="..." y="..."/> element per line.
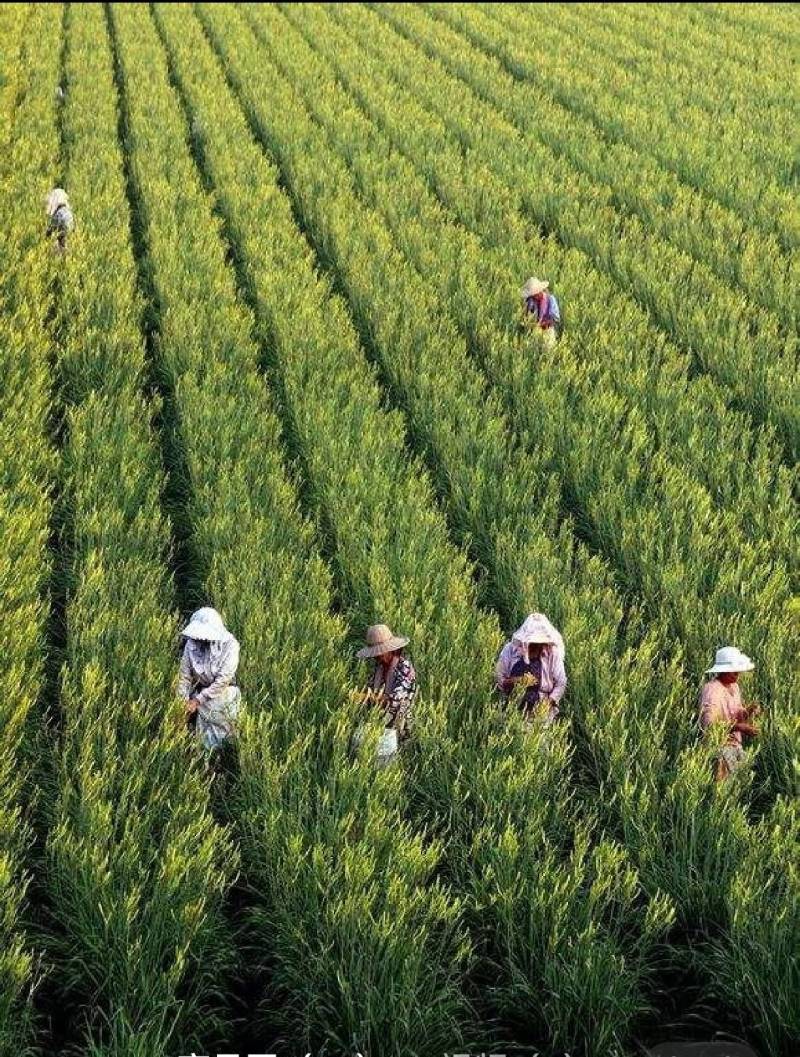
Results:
<point x="207" y="680"/>
<point x="540" y="310"/>
<point x="534" y="657"/>
<point x="721" y="703"/>
<point x="393" y="686"/>
<point x="59" y="216"/>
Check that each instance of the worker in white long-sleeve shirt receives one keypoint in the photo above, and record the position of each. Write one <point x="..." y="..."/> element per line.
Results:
<point x="60" y="220"/>
<point x="207" y="680"/>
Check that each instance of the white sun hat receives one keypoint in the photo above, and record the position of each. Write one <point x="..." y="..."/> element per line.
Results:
<point x="532" y="287"/>
<point x="536" y="628"/>
<point x="206" y="624"/>
<point x="56" y="199"/>
<point x="381" y="639"/>
<point x="729" y="659"/>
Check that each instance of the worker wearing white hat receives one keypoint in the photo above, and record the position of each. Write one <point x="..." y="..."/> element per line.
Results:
<point x="721" y="703"/>
<point x="540" y="310"/>
<point x="207" y="680"/>
<point x="59" y="216"/>
<point x="534" y="656"/>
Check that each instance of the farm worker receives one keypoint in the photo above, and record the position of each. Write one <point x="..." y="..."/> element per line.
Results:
<point x="207" y="680"/>
<point x="540" y="310"/>
<point x="534" y="656"/>
<point x="721" y="702"/>
<point x="59" y="216"/>
<point x="393" y="686"/>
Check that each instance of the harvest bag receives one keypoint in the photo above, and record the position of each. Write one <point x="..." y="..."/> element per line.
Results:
<point x="387" y="745"/>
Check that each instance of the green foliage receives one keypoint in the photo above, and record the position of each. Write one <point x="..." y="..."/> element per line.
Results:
<point x="281" y="362"/>
<point x="26" y="475"/>
<point x="135" y="866"/>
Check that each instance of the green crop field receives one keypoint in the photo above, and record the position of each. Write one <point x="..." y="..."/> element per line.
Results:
<point x="279" y="371"/>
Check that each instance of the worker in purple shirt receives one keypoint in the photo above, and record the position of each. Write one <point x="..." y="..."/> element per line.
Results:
<point x="540" y="310"/>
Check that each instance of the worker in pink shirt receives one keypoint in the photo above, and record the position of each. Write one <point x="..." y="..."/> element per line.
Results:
<point x="721" y="702"/>
<point x="534" y="657"/>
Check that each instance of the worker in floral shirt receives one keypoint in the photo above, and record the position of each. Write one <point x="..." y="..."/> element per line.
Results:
<point x="393" y="686"/>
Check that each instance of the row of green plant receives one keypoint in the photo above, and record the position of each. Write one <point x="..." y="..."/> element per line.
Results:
<point x="477" y="283"/>
<point x="472" y="775"/>
<point x="624" y="109"/>
<point x="13" y="25"/>
<point x="134" y="867"/>
<point x="27" y="471"/>
<point x="742" y="346"/>
<point x="254" y="85"/>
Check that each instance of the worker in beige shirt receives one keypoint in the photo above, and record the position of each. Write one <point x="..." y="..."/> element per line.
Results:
<point x="721" y="702"/>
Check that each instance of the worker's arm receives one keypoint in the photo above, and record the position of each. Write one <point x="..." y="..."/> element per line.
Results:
<point x="559" y="676"/>
<point x="503" y="668"/>
<point x="746" y="728"/>
<point x="185" y="678"/>
<point x="710" y="706"/>
<point x="229" y="662"/>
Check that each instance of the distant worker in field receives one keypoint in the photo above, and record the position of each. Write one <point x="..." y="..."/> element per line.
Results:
<point x="721" y="703"/>
<point x="393" y="686"/>
<point x="534" y="657"/>
<point x="540" y="311"/>
<point x="207" y="680"/>
<point x="60" y="220"/>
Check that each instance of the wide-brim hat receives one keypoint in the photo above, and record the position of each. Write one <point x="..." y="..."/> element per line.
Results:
<point x="381" y="639"/>
<point x="729" y="659"/>
<point x="536" y="629"/>
<point x="535" y="638"/>
<point x="206" y="624"/>
<point x="533" y="287"/>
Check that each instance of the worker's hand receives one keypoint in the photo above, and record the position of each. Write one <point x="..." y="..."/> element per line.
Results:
<point x="746" y="728"/>
<point x="753" y="710"/>
<point x="192" y="706"/>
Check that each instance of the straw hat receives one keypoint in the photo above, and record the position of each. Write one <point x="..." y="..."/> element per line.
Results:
<point x="729" y="659"/>
<point x="381" y="639"/>
<point x="532" y="287"/>
<point x="56" y="199"/>
<point x="206" y="624"/>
